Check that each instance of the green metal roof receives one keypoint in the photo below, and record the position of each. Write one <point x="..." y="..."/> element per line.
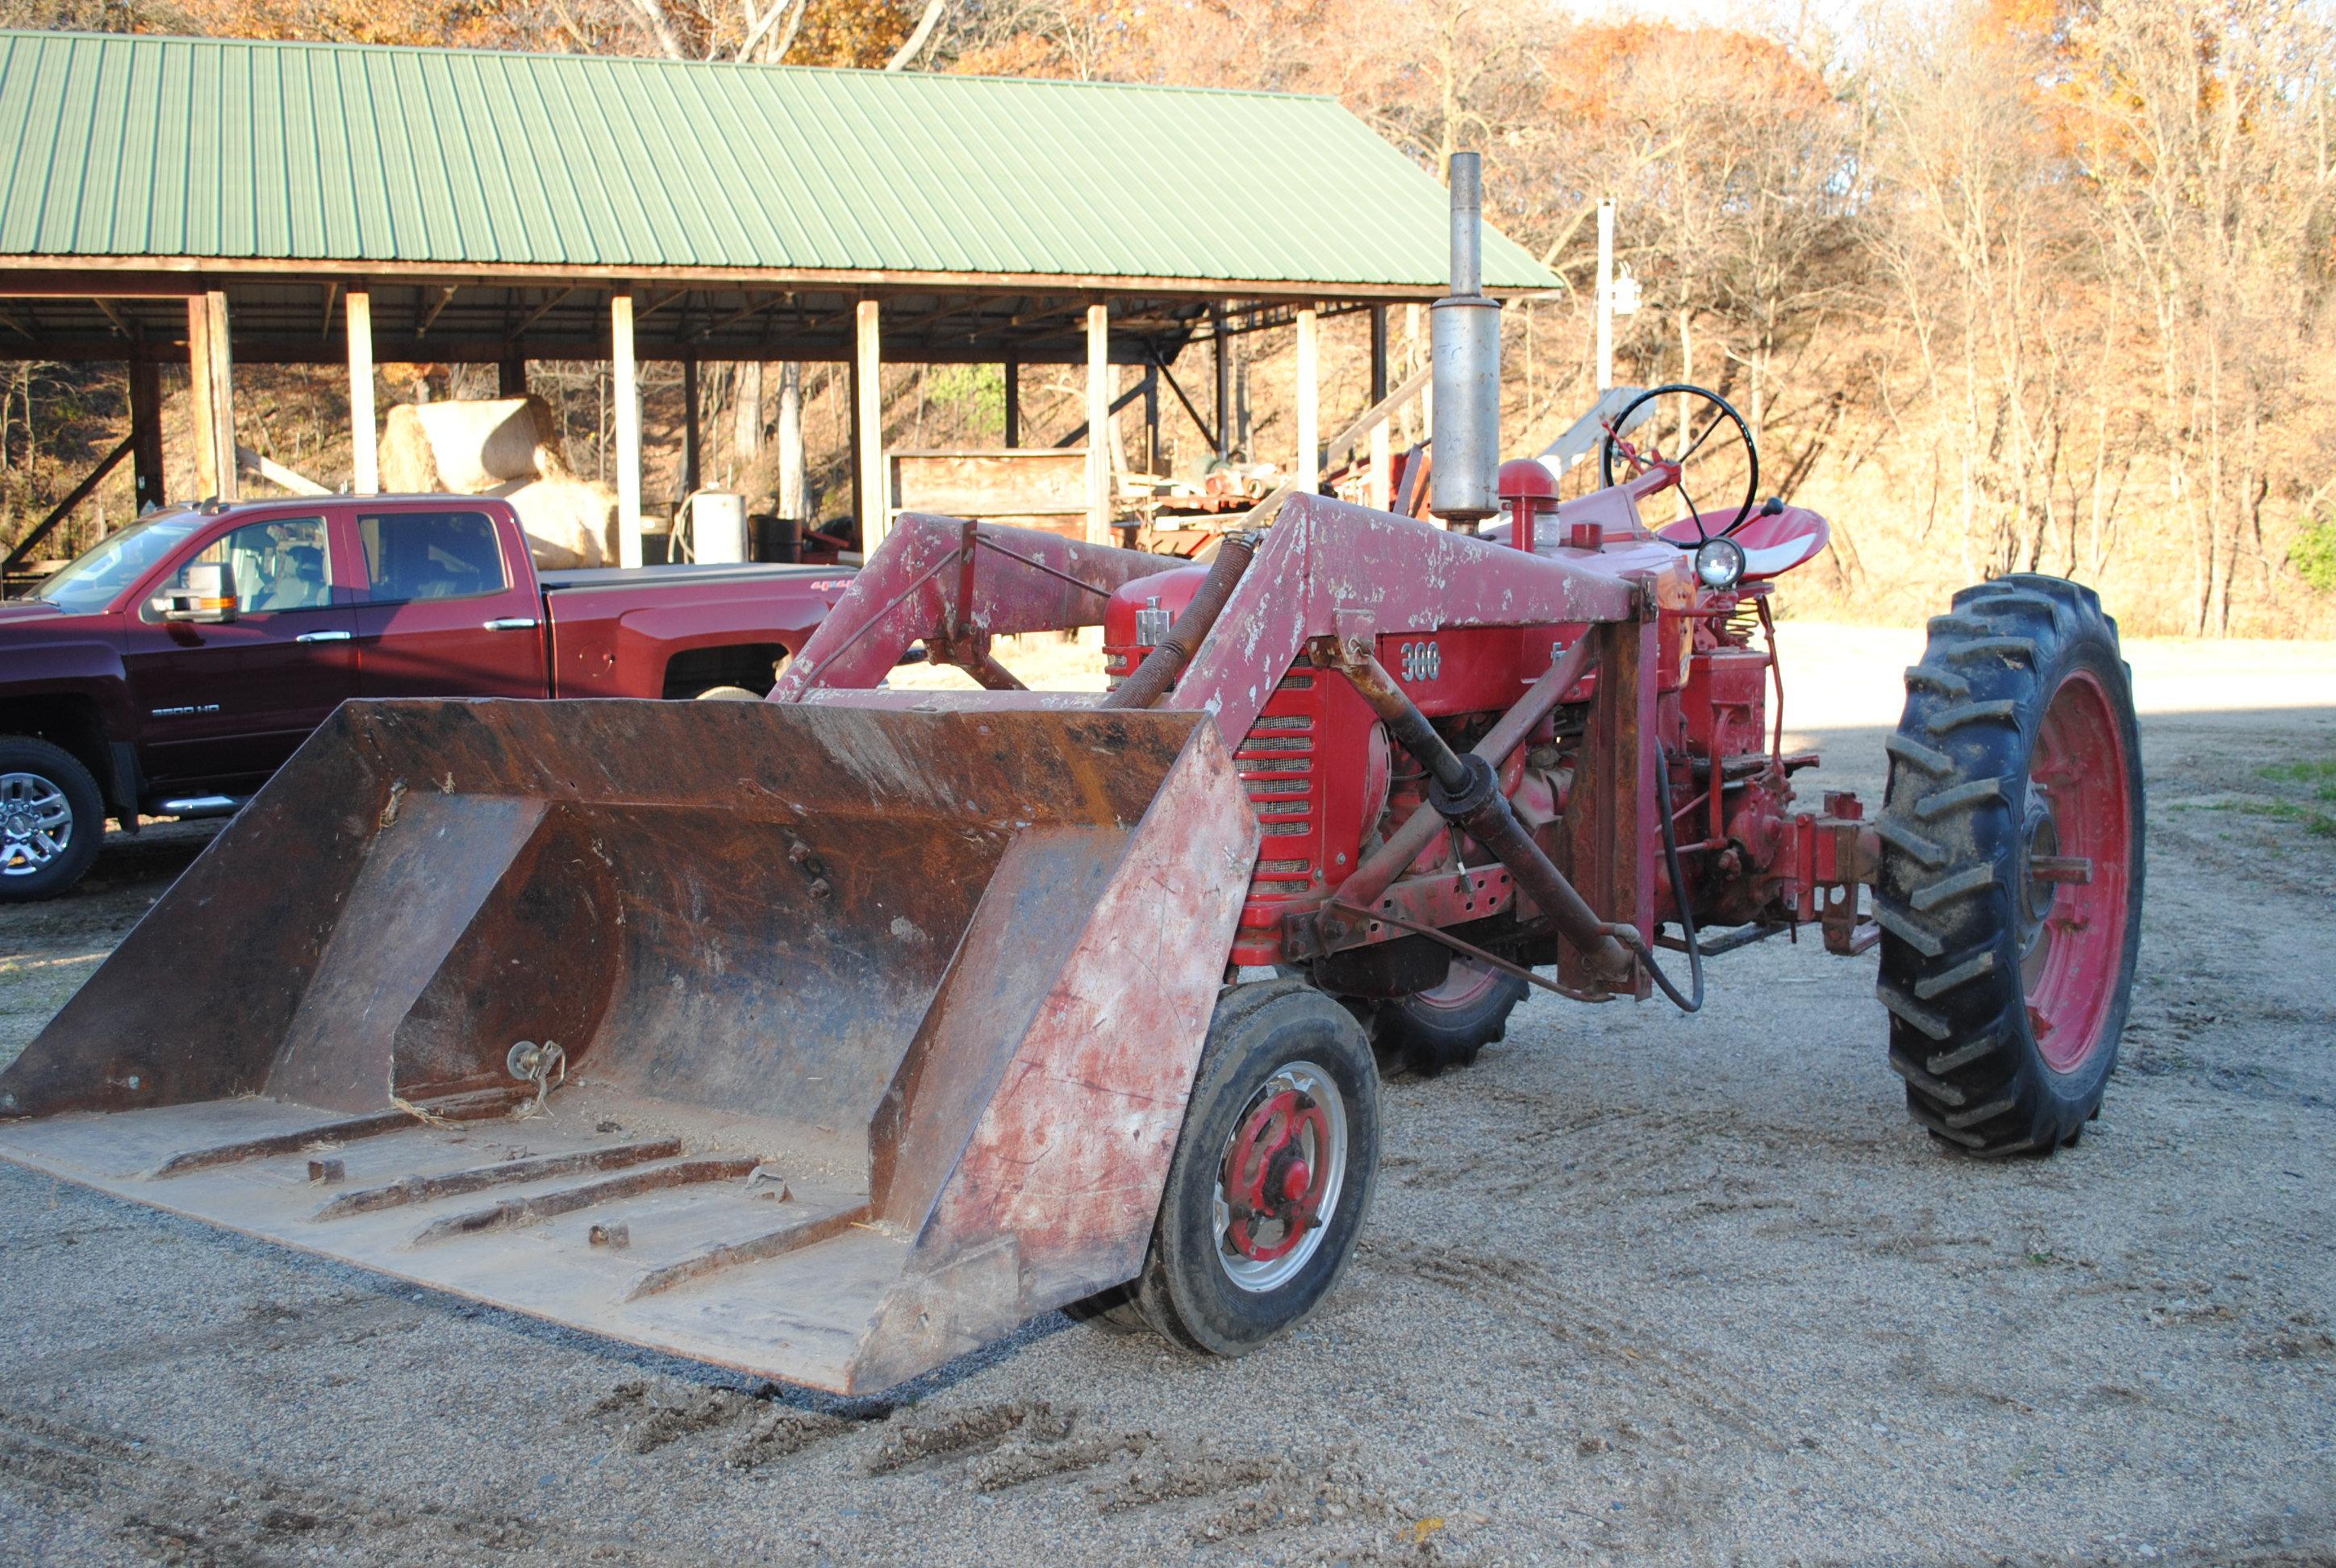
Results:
<point x="232" y="151"/>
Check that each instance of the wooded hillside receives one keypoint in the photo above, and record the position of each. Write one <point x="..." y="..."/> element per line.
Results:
<point x="2004" y="286"/>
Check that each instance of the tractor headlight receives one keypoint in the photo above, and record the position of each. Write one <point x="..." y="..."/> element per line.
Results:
<point x="1719" y="564"/>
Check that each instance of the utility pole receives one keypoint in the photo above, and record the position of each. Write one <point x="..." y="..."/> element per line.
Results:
<point x="1605" y="293"/>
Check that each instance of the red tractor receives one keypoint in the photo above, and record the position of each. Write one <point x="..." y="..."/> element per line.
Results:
<point x="857" y="1027"/>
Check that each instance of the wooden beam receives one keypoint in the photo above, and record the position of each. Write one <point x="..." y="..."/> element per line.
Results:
<point x="1309" y="404"/>
<point x="120" y="327"/>
<point x="625" y="375"/>
<point x="510" y="376"/>
<point x="871" y="498"/>
<point x="1169" y="375"/>
<point x="1078" y="432"/>
<point x="540" y="311"/>
<point x="430" y="317"/>
<point x="325" y="326"/>
<point x="146" y="434"/>
<point x="1098" y="416"/>
<point x="364" y="436"/>
<point x="1013" y="403"/>
<point x="79" y="493"/>
<point x="154" y="276"/>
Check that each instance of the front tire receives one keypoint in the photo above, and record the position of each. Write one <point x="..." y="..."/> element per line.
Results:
<point x="52" y="819"/>
<point x="1272" y="1173"/>
<point x="1429" y="1031"/>
<point x="2010" y="885"/>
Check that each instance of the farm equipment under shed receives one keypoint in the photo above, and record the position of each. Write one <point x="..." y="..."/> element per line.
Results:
<point x="832" y="1037"/>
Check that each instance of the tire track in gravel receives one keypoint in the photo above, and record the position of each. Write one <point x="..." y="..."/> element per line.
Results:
<point x="173" y="1504"/>
<point x="1525" y="1289"/>
<point x="1518" y="1285"/>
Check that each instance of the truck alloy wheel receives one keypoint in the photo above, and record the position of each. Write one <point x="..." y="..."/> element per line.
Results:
<point x="1272" y="1173"/>
<point x="51" y="819"/>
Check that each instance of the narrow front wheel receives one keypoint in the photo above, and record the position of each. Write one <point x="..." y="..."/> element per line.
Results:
<point x="1272" y="1174"/>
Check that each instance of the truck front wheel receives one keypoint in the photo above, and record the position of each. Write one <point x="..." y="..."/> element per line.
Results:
<point x="51" y="819"/>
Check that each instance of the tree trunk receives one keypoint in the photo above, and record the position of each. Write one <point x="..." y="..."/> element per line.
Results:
<point x="792" y="501"/>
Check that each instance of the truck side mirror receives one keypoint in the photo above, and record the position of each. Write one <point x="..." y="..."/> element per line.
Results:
<point x="208" y="597"/>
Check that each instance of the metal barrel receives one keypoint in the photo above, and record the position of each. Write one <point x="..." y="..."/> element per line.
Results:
<point x="872" y="1027"/>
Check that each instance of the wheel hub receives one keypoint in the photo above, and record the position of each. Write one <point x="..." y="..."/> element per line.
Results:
<point x="1279" y="1184"/>
<point x="36" y="824"/>
<point x="2071" y="902"/>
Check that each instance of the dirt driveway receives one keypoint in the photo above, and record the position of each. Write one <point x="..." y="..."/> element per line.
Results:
<point x="1635" y="1287"/>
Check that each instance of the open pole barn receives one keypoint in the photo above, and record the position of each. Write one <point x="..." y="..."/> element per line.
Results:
<point x="212" y="202"/>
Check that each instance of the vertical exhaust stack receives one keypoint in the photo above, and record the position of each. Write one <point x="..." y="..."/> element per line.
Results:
<point x="1464" y="333"/>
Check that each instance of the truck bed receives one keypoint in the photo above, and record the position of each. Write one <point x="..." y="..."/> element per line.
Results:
<point x="583" y="579"/>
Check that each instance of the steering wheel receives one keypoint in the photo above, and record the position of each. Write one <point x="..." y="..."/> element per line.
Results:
<point x="1640" y="463"/>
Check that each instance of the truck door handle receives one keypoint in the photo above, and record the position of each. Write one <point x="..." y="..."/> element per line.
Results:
<point x="322" y="637"/>
<point x="512" y="623"/>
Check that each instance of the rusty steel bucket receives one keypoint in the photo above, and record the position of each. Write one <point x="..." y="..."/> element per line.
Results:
<point x="875" y="1028"/>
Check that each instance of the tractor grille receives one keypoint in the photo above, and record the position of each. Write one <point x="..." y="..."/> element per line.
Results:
<point x="1276" y="765"/>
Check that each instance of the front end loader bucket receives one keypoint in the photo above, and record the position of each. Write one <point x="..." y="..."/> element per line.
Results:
<point x="875" y="1028"/>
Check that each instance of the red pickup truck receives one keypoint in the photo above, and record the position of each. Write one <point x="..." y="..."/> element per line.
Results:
<point x="174" y="668"/>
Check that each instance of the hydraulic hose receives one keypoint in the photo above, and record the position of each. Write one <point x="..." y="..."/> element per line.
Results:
<point x="1678" y="895"/>
<point x="1163" y="664"/>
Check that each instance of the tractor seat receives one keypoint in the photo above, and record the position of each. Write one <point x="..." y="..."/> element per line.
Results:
<point x="1774" y="542"/>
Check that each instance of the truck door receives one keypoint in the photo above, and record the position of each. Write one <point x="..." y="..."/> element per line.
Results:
<point x="446" y="611"/>
<point x="224" y="705"/>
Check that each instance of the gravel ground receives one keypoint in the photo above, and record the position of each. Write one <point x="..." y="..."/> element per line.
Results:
<point x="1635" y="1287"/>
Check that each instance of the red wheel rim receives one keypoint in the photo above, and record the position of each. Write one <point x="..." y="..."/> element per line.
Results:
<point x="1284" y="1167"/>
<point x="2075" y="873"/>
<point x="1466" y="984"/>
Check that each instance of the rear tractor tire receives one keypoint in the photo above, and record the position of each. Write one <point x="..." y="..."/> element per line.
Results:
<point x="1272" y="1177"/>
<point x="1428" y="1031"/>
<point x="2010" y="885"/>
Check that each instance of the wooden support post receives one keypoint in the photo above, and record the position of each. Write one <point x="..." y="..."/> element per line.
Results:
<point x="1098" y="419"/>
<point x="1309" y="404"/>
<point x="692" y="444"/>
<point x="624" y="373"/>
<point x="1224" y="385"/>
<point x="1382" y="493"/>
<point x="1013" y="403"/>
<point x="365" y="436"/>
<point x="871" y="491"/>
<point x="210" y="369"/>
<point x="1382" y="488"/>
<point x="146" y="434"/>
<point x="510" y="374"/>
<point x="1152" y="421"/>
<point x="1378" y="354"/>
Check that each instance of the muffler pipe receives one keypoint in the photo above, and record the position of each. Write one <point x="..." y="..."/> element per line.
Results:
<point x="1465" y="348"/>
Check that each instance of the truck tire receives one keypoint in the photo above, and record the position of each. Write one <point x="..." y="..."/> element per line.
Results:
<point x="52" y="819"/>
<point x="1273" y="1172"/>
<point x="2010" y="895"/>
<point x="1428" y="1031"/>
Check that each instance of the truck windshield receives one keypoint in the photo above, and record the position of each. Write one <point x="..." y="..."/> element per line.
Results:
<point x="116" y="562"/>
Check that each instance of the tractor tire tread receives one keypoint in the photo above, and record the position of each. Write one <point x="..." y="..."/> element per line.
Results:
<point x="1898" y="922"/>
<point x="1938" y="803"/>
<point x="1951" y="830"/>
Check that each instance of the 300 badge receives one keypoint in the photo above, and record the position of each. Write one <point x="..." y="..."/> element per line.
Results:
<point x="1420" y="660"/>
